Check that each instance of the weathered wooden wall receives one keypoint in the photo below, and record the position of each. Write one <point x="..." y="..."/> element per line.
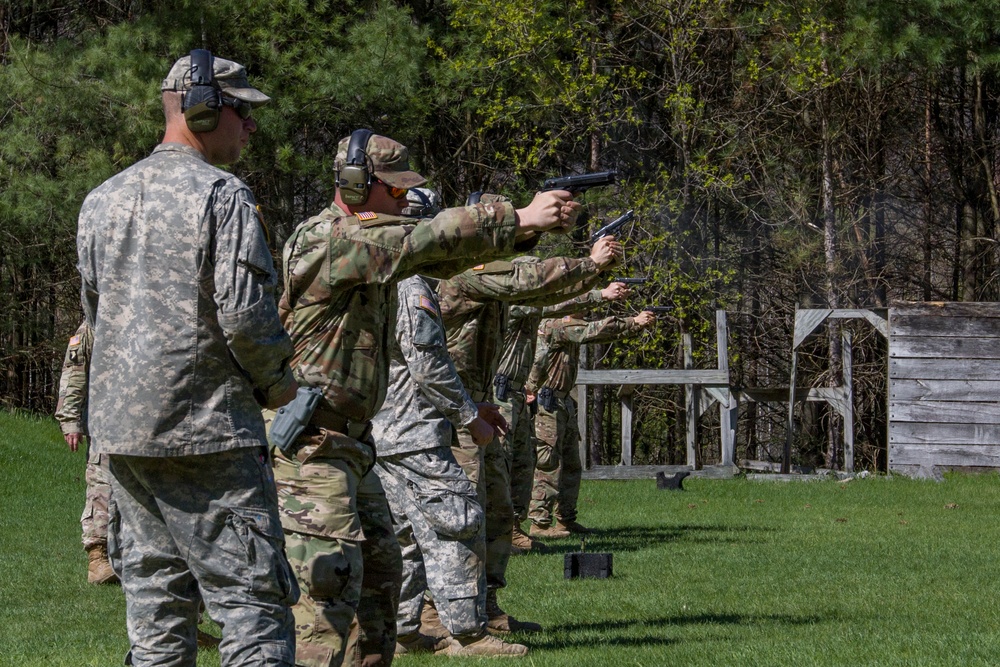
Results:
<point x="944" y="387"/>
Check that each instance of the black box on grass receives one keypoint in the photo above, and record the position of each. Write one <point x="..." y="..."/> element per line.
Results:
<point x="583" y="566"/>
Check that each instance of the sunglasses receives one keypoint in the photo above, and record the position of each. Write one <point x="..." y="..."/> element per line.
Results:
<point x="243" y="109"/>
<point x="394" y="192"/>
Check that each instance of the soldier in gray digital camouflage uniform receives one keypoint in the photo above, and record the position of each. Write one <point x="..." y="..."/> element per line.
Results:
<point x="436" y="514"/>
<point x="178" y="285"/>
<point x="71" y="410"/>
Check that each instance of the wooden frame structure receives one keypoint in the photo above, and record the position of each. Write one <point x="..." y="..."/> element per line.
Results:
<point x="703" y="388"/>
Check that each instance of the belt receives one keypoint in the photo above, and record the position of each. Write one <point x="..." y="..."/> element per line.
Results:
<point x="478" y="396"/>
<point x="516" y="386"/>
<point x="332" y="421"/>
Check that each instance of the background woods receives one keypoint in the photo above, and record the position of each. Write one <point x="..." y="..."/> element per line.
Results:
<point x="834" y="154"/>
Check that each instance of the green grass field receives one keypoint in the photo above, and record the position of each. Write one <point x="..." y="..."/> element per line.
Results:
<point x="880" y="571"/>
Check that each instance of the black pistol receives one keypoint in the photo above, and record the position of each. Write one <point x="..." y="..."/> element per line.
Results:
<point x="580" y="183"/>
<point x="612" y="227"/>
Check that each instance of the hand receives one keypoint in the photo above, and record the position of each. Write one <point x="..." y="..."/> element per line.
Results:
<point x="482" y="433"/>
<point x="615" y="292"/>
<point x="645" y="319"/>
<point x="284" y="398"/>
<point x="553" y="211"/>
<point x="607" y="251"/>
<point x="529" y="397"/>
<point x="73" y="440"/>
<point x="490" y="413"/>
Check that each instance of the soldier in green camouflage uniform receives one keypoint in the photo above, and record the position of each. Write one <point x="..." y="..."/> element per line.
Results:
<point x="515" y="365"/>
<point x="553" y="375"/>
<point x="178" y="285"/>
<point x="71" y="408"/>
<point x="474" y="310"/>
<point x="341" y="269"/>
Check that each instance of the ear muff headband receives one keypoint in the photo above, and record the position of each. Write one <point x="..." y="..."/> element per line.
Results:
<point x="202" y="104"/>
<point x="355" y="178"/>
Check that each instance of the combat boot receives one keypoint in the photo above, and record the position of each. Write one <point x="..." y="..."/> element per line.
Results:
<point x="573" y="527"/>
<point x="521" y="542"/>
<point x="553" y="531"/>
<point x="430" y="622"/>
<point x="98" y="567"/>
<point x="416" y="642"/>
<point x="483" y="645"/>
<point x="500" y="622"/>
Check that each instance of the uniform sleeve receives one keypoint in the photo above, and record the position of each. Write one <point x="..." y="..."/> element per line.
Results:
<point x="421" y="339"/>
<point x="72" y="401"/>
<point x="245" y="282"/>
<point x="601" y="331"/>
<point x="580" y="304"/>
<point x="531" y="283"/>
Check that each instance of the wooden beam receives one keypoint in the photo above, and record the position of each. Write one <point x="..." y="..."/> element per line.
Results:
<point x="728" y="405"/>
<point x="806" y="321"/>
<point x="692" y="405"/>
<point x="847" y="409"/>
<point x="919" y="454"/>
<point x="641" y="376"/>
<point x="627" y="430"/>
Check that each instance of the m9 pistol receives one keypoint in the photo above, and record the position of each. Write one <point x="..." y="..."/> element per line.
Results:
<point x="581" y="182"/>
<point x="612" y="227"/>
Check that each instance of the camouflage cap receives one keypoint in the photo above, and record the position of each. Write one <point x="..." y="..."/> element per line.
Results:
<point x="390" y="161"/>
<point x="230" y="77"/>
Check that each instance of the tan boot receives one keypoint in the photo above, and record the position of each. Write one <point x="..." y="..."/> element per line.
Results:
<point x="521" y="542"/>
<point x="573" y="527"/>
<point x="483" y="645"/>
<point x="430" y="622"/>
<point x="417" y="642"/>
<point x="500" y="622"/>
<point x="98" y="568"/>
<point x="553" y="531"/>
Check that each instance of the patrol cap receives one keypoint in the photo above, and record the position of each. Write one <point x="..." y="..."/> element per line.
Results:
<point x="389" y="160"/>
<point x="230" y="77"/>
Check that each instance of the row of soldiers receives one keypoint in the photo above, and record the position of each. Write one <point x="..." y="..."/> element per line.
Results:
<point x="298" y="552"/>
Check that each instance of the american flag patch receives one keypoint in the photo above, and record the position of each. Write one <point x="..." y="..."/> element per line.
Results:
<point x="75" y="340"/>
<point x="428" y="305"/>
<point x="366" y="215"/>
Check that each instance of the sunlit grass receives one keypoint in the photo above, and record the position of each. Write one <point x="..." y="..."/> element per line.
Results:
<point x="882" y="571"/>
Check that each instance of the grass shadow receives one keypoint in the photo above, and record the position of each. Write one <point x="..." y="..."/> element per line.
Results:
<point x="637" y="538"/>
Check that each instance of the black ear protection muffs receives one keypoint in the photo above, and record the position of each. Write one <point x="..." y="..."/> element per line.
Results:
<point x="202" y="104"/>
<point x="355" y="177"/>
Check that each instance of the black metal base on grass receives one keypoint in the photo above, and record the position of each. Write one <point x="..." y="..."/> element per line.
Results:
<point x="583" y="566"/>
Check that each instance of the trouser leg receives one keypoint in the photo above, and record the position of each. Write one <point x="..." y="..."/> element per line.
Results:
<point x="94" y="521"/>
<point x="439" y="502"/>
<point x="380" y="586"/>
<point x="547" y="467"/>
<point x="202" y="528"/>
<point x="522" y="452"/>
<point x="319" y="512"/>
<point x="571" y="470"/>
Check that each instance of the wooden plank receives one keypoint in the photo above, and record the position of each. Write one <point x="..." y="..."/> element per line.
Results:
<point x="692" y="406"/>
<point x="952" y="347"/>
<point x="645" y="376"/>
<point x="986" y="326"/>
<point x="944" y="369"/>
<point x="943" y="390"/>
<point x="649" y="472"/>
<point x="943" y="434"/>
<point x="973" y="309"/>
<point x="949" y="412"/>
<point x="908" y="453"/>
<point x="847" y="407"/>
<point x="780" y="394"/>
<point x="806" y="321"/>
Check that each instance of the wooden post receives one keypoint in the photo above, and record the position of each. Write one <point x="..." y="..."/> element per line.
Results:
<point x="692" y="404"/>
<point x="728" y="410"/>
<point x="786" y="454"/>
<point x="627" y="428"/>
<point x="847" y="357"/>
<point x="581" y="411"/>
